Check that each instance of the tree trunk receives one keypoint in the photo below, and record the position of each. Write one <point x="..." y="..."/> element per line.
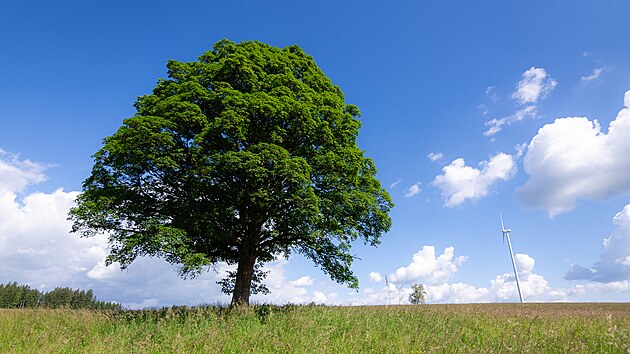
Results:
<point x="244" y="276"/>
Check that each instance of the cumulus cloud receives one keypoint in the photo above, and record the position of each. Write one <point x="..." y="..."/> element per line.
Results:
<point x="425" y="267"/>
<point x="580" y="290"/>
<point x="597" y="72"/>
<point x="524" y="263"/>
<point x="457" y="293"/>
<point x="376" y="277"/>
<point x="34" y="239"/>
<point x="37" y="249"/>
<point x="16" y="174"/>
<point x="535" y="84"/>
<point x="520" y="150"/>
<point x="614" y="262"/>
<point x="413" y="190"/>
<point x="572" y="159"/>
<point x="502" y="288"/>
<point x="281" y="289"/>
<point x="319" y="297"/>
<point x="302" y="281"/>
<point x="435" y="156"/>
<point x="459" y="182"/>
<point x="434" y="272"/>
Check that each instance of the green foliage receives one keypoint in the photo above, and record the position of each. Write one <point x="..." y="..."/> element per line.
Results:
<point x="244" y="155"/>
<point x="417" y="294"/>
<point x="13" y="295"/>
<point x="475" y="328"/>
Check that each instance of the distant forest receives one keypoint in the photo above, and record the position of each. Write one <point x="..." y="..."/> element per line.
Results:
<point x="13" y="295"/>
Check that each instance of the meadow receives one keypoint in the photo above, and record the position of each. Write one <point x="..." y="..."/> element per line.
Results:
<point x="471" y="328"/>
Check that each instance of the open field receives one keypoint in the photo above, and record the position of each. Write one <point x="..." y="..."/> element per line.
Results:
<point x="553" y="328"/>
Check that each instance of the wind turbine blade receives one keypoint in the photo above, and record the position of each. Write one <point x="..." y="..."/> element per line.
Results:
<point x="501" y="215"/>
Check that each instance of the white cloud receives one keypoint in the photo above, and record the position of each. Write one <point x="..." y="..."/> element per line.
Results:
<point x="34" y="239"/>
<point x="536" y="84"/>
<point x="16" y="174"/>
<point x="435" y="156"/>
<point x="496" y="124"/>
<point x="456" y="293"/>
<point x="593" y="76"/>
<point x="425" y="267"/>
<point x="589" y="289"/>
<point x="459" y="182"/>
<point x="535" y="288"/>
<point x="35" y="245"/>
<point x="573" y="159"/>
<point x="393" y="185"/>
<point x="281" y="289"/>
<point x="614" y="262"/>
<point x="484" y="109"/>
<point x="302" y="281"/>
<point x="434" y="273"/>
<point x="413" y="190"/>
<point x="376" y="277"/>
<point x="502" y="288"/>
<point x="520" y="150"/>
<point x="491" y="93"/>
<point x="319" y="297"/>
<point x="524" y="263"/>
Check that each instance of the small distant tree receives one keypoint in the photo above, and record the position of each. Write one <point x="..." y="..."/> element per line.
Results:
<point x="417" y="294"/>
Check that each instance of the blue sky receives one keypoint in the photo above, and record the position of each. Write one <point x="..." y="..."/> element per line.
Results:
<point x="464" y="107"/>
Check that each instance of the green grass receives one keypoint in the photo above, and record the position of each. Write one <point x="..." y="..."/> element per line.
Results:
<point x="529" y="328"/>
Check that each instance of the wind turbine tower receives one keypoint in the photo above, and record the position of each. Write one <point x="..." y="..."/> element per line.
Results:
<point x="506" y="234"/>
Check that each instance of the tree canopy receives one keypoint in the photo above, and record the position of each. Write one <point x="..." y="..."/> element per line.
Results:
<point x="243" y="156"/>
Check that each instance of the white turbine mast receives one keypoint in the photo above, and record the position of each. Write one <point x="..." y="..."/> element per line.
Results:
<point x="506" y="234"/>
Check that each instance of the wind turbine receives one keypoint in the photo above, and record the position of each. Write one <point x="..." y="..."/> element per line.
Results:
<point x="506" y="234"/>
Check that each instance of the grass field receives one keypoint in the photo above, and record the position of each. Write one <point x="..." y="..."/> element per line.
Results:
<point x="528" y="328"/>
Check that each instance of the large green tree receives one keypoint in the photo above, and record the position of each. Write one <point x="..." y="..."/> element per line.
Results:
<point x="245" y="155"/>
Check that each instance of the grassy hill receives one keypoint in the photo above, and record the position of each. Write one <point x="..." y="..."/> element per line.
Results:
<point x="528" y="328"/>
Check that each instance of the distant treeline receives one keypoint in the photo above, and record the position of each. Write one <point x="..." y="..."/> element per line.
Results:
<point x="13" y="295"/>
